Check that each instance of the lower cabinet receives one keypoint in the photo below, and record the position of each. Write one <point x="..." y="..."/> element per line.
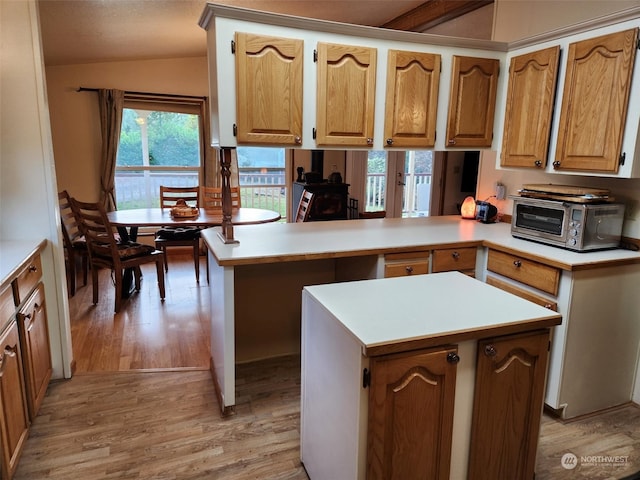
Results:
<point x="466" y="410"/>
<point x="14" y="418"/>
<point x="34" y="340"/>
<point x="411" y="414"/>
<point x="507" y="407"/>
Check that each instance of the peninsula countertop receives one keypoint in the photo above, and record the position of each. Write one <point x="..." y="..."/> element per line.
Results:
<point x="282" y="242"/>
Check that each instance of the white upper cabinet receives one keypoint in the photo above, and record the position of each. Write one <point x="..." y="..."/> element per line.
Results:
<point x="594" y="125"/>
<point x="373" y="89"/>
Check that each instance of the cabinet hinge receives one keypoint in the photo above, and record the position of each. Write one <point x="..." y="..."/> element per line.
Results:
<point x="638" y="44"/>
<point x="315" y="56"/>
<point x="313" y="133"/>
<point x="235" y="130"/>
<point x="233" y="47"/>
<point x="366" y="378"/>
<point x="623" y="157"/>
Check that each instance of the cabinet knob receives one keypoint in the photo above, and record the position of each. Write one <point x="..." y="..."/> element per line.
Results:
<point x="409" y="270"/>
<point x="453" y="357"/>
<point x="369" y="141"/>
<point x="517" y="263"/>
<point x="389" y="141"/>
<point x="548" y="305"/>
<point x="452" y="142"/>
<point x="490" y="351"/>
<point x="556" y="164"/>
<point x="33" y="268"/>
<point x="298" y="139"/>
<point x="455" y="255"/>
<point x="538" y="163"/>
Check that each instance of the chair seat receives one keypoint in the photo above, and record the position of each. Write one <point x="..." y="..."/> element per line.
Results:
<point x="125" y="250"/>
<point x="178" y="233"/>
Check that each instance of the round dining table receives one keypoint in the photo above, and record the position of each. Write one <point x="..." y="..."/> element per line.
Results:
<point x="128" y="221"/>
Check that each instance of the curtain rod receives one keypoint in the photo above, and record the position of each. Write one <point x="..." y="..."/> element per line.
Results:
<point x="127" y="92"/>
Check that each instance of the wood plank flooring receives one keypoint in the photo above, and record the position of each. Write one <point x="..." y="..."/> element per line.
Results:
<point x="114" y="421"/>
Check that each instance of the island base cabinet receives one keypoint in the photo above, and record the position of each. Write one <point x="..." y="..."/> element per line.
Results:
<point x="411" y="406"/>
<point x="509" y="392"/>
<point x="14" y="420"/>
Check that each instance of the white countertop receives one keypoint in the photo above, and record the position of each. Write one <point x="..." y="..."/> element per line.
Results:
<point x="13" y="253"/>
<point x="437" y="306"/>
<point x="275" y="242"/>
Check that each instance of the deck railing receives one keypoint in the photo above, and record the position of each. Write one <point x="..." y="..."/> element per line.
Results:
<point x="263" y="188"/>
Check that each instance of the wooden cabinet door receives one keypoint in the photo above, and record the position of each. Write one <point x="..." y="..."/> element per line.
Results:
<point x="14" y="419"/>
<point x="527" y="119"/>
<point x="411" y="415"/>
<point x="268" y="89"/>
<point x="472" y="103"/>
<point x="346" y="95"/>
<point x="412" y="99"/>
<point x="594" y="102"/>
<point x="507" y="407"/>
<point x="34" y="338"/>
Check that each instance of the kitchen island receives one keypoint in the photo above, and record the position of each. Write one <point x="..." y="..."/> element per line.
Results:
<point x="256" y="288"/>
<point x="418" y="377"/>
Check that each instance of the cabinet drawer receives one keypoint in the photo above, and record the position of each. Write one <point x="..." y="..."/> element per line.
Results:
<point x="403" y="264"/>
<point x="449" y="259"/>
<point x="27" y="279"/>
<point x="537" y="275"/>
<point x="532" y="297"/>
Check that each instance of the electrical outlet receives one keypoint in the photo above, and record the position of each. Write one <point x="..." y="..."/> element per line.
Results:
<point x="501" y="191"/>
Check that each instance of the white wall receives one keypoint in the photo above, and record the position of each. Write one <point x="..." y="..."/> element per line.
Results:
<point x="28" y="195"/>
<point x="74" y="115"/>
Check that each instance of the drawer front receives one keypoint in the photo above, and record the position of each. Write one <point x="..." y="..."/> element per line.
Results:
<point x="449" y="259"/>
<point x="534" y="274"/>
<point x="404" y="264"/>
<point x="532" y="297"/>
<point x="27" y="279"/>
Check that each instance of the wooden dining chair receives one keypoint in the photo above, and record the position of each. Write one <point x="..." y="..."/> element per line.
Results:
<point x="73" y="242"/>
<point x="211" y="198"/>
<point x="106" y="252"/>
<point x="304" y="207"/>
<point x="179" y="236"/>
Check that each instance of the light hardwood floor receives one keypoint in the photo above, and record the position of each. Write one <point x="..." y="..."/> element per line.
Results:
<point x="114" y="421"/>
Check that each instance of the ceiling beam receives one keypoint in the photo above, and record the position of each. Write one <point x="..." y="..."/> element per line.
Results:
<point x="432" y="13"/>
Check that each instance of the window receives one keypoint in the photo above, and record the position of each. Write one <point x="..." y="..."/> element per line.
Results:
<point x="261" y="174"/>
<point x="160" y="144"/>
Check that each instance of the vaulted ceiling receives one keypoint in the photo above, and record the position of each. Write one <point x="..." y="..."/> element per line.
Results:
<point x="87" y="31"/>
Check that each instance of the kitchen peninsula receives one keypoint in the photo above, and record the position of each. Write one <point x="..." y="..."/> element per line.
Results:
<point x="256" y="289"/>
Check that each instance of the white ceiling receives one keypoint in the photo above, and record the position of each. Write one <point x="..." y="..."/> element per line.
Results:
<point x="86" y="31"/>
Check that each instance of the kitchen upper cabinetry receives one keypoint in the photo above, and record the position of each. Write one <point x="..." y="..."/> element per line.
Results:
<point x="594" y="131"/>
<point x="346" y="95"/>
<point x="527" y="120"/>
<point x="269" y="89"/>
<point x="411" y="103"/>
<point x="472" y="103"/>
<point x="594" y="103"/>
